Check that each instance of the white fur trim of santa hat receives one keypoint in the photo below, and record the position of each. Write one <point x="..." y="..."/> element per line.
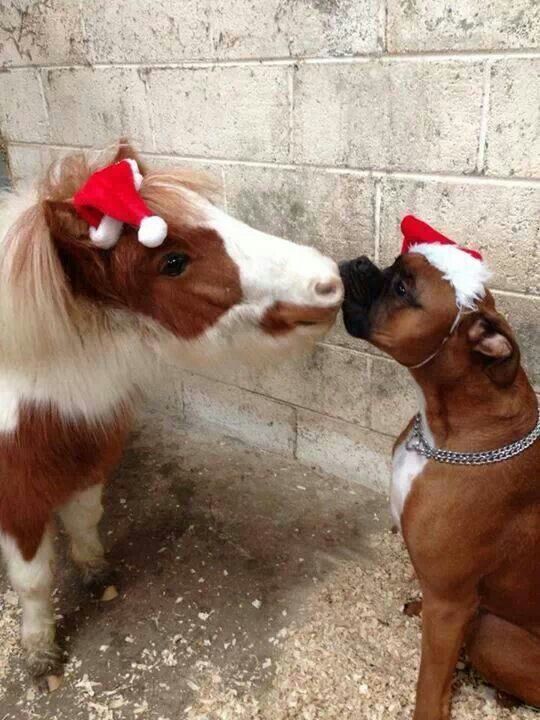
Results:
<point x="462" y="267"/>
<point x="467" y="274"/>
<point x="106" y="235"/>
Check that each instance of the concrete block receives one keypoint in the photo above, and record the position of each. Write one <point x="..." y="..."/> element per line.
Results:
<point x="249" y="417"/>
<point x="502" y="221"/>
<point x="231" y="112"/>
<point x="523" y="314"/>
<point x="333" y="381"/>
<point x="32" y="33"/>
<point x="513" y="140"/>
<point x="393" y="397"/>
<point x="346" y="450"/>
<point x="334" y="212"/>
<point x="414" y="116"/>
<point x="424" y="25"/>
<point x="95" y="106"/>
<point x="23" y="115"/>
<point x="274" y="28"/>
<point x="29" y="162"/>
<point x="211" y="172"/>
<point x="148" y="30"/>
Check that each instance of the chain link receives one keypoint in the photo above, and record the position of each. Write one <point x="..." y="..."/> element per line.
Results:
<point x="419" y="444"/>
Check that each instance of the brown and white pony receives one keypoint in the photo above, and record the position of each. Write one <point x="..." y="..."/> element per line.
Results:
<point x="82" y="330"/>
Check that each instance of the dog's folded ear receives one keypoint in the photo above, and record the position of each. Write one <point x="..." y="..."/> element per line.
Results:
<point x="492" y="338"/>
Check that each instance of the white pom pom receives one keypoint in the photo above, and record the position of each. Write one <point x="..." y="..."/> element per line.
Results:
<point x="107" y="233"/>
<point x="153" y="231"/>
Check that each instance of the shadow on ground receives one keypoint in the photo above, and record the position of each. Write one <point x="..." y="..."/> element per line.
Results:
<point x="218" y="547"/>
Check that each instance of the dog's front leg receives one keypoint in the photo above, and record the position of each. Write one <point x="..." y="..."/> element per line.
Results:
<point x="443" y="630"/>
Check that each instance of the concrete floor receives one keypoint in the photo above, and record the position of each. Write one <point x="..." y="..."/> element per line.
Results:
<point x="218" y="547"/>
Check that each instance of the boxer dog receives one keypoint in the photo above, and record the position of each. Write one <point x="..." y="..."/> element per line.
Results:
<point x="466" y="470"/>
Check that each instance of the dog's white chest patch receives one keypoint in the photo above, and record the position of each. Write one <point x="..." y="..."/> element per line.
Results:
<point x="406" y="466"/>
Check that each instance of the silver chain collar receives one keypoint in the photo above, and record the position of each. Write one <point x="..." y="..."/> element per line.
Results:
<point x="419" y="444"/>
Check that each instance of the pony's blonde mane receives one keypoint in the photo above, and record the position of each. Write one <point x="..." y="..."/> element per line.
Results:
<point x="39" y="317"/>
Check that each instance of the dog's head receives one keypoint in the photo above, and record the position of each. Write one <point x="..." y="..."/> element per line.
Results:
<point x="419" y="311"/>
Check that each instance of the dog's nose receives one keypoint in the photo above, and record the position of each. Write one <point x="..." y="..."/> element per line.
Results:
<point x="362" y="263"/>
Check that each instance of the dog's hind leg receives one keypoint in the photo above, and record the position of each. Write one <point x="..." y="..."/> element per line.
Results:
<point x="507" y="656"/>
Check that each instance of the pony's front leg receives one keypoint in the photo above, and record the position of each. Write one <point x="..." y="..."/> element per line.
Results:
<point x="32" y="579"/>
<point x="80" y="517"/>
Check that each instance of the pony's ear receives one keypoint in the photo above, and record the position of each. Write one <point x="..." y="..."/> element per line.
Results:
<point x="126" y="151"/>
<point x="491" y="336"/>
<point x="63" y="221"/>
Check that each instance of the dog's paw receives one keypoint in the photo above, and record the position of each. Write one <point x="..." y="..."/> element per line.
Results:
<point x="413" y="608"/>
<point x="507" y="701"/>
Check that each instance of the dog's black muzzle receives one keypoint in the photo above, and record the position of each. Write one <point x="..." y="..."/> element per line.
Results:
<point x="363" y="282"/>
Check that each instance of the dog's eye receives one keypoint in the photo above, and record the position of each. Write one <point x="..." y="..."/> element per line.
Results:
<point x="400" y="288"/>
<point x="174" y="264"/>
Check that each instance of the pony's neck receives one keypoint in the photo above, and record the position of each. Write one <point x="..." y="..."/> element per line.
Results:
<point x="88" y="379"/>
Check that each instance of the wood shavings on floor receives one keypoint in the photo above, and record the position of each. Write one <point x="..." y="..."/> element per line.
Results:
<point x="9" y="631"/>
<point x="356" y="657"/>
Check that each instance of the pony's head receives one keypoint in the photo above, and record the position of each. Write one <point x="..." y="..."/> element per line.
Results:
<point x="214" y="288"/>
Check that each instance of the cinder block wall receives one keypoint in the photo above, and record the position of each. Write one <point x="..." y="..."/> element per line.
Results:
<point x="327" y="121"/>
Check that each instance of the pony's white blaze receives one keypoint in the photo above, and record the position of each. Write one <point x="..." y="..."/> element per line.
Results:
<point x="273" y="269"/>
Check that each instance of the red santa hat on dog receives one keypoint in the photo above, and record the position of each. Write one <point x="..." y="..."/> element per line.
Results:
<point x="462" y="267"/>
<point x="109" y="198"/>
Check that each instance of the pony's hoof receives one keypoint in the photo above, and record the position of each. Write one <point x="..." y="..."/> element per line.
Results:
<point x="45" y="666"/>
<point x="97" y="580"/>
<point x="110" y="593"/>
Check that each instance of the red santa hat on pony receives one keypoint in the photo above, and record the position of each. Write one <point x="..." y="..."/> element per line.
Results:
<point x="462" y="267"/>
<point x="109" y="198"/>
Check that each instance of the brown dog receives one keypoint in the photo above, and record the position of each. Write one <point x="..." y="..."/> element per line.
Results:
<point x="471" y="523"/>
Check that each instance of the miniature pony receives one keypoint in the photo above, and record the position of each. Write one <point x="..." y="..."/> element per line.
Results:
<point x="84" y="329"/>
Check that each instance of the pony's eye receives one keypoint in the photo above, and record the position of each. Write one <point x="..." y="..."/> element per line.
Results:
<point x="400" y="288"/>
<point x="174" y="264"/>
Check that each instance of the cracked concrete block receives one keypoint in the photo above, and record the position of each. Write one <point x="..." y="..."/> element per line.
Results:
<point x="333" y="212"/>
<point x="255" y="419"/>
<point x="23" y="115"/>
<point x="96" y="106"/>
<point x="393" y="396"/>
<point x="331" y="380"/>
<point x="148" y="30"/>
<point x="212" y="173"/>
<point x="228" y="112"/>
<point x="499" y="220"/>
<point x="344" y="449"/>
<point x="294" y="28"/>
<point x="46" y="31"/>
<point x="423" y="25"/>
<point x="30" y="162"/>
<point x="523" y="314"/>
<point x="412" y="116"/>
<point x="513" y="140"/>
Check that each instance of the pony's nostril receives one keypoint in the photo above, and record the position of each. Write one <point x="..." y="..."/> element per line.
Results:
<point x="328" y="287"/>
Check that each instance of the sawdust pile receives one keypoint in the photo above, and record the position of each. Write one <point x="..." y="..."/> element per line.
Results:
<point x="9" y="632"/>
<point x="356" y="657"/>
